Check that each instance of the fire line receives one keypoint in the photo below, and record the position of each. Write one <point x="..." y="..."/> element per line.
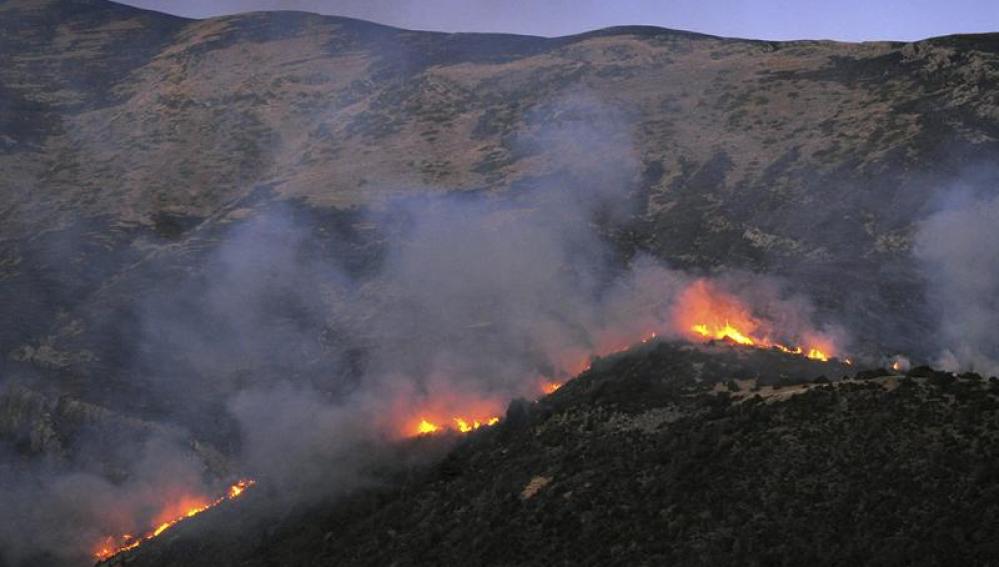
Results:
<point x="112" y="546"/>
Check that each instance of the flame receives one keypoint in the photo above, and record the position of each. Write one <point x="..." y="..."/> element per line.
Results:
<point x="816" y="354"/>
<point x="550" y="387"/>
<point x="900" y="363"/>
<point x="465" y="426"/>
<point x="111" y="546"/>
<point x="461" y="425"/>
<point x="725" y="332"/>
<point x="708" y="313"/>
<point x="425" y="427"/>
<point x="702" y="312"/>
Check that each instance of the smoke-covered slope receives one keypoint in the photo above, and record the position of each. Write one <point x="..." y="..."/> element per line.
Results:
<point x="123" y="130"/>
<point x="804" y="157"/>
<point x="673" y="455"/>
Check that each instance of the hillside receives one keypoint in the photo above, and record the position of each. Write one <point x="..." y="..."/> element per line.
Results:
<point x="805" y="159"/>
<point x="661" y="456"/>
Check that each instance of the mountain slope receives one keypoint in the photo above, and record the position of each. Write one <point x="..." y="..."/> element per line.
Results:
<point x="637" y="462"/>
<point x="799" y="158"/>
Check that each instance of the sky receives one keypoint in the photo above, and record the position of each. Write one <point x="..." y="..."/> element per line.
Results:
<point x="844" y="20"/>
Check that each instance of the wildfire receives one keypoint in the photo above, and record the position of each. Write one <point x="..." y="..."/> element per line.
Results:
<point x="702" y="312"/>
<point x="461" y="425"/>
<point x="725" y="332"/>
<point x="112" y="545"/>
<point x="706" y="312"/>
<point x="465" y="426"/>
<point x="425" y="427"/>
<point x="550" y="387"/>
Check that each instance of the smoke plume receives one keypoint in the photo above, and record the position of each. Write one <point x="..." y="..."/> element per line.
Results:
<point x="961" y="261"/>
<point x="303" y="343"/>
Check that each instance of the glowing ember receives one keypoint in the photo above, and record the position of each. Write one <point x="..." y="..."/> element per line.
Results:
<point x="708" y="313"/>
<point x="112" y="546"/>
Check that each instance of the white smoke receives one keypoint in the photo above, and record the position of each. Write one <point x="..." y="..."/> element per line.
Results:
<point x="958" y="249"/>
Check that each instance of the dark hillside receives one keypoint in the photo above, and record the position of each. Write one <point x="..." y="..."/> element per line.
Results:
<point x="655" y="457"/>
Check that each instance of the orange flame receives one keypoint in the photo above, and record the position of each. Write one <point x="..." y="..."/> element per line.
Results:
<point x="550" y="387"/>
<point x="465" y="426"/>
<point x="725" y="332"/>
<point x="461" y="425"/>
<point x="172" y="515"/>
<point x="702" y="312"/>
<point x="705" y="312"/>
<point x="425" y="427"/>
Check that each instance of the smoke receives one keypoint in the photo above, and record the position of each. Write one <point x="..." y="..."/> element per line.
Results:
<point x="302" y="444"/>
<point x="960" y="257"/>
<point x="476" y="301"/>
<point x="304" y="343"/>
<point x="765" y="308"/>
<point x="57" y="513"/>
<point x="473" y="300"/>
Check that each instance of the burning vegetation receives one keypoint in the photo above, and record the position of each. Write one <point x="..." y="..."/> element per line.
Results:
<point x="701" y="312"/>
<point x="459" y="424"/>
<point x="550" y="387"/>
<point x="704" y="312"/>
<point x="170" y="516"/>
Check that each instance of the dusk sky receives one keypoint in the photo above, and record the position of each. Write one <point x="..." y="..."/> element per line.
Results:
<point x="847" y="20"/>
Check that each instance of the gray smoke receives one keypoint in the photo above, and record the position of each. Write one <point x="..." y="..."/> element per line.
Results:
<point x="54" y="513"/>
<point x="960" y="255"/>
<point x="476" y="297"/>
<point x="304" y="345"/>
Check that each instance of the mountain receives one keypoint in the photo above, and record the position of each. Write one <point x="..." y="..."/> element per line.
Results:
<point x="125" y="129"/>
<point x="213" y="226"/>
